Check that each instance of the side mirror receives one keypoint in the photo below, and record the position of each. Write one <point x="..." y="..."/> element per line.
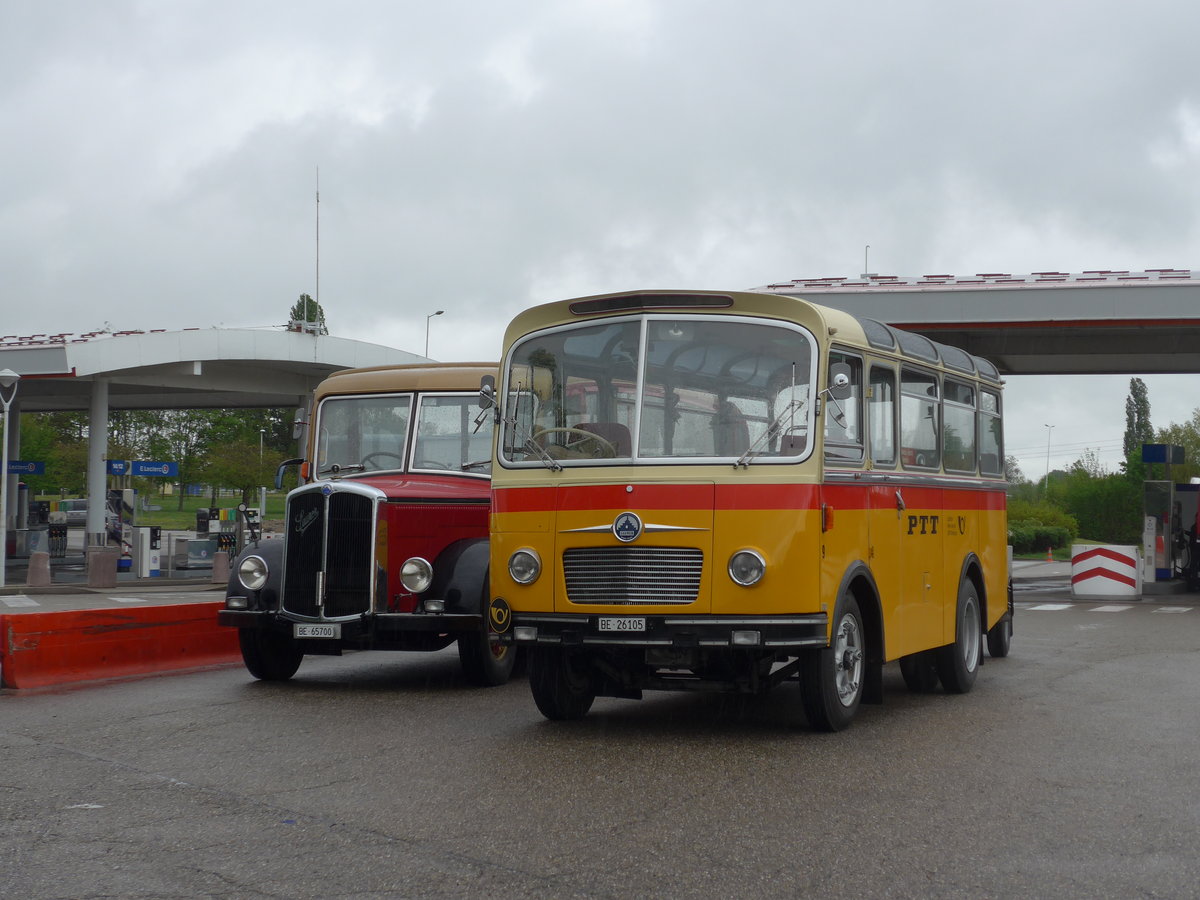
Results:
<point x="487" y="392"/>
<point x="283" y="466"/>
<point x="299" y="423"/>
<point x="839" y="381"/>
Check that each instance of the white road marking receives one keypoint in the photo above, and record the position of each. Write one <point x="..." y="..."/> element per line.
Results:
<point x="20" y="600"/>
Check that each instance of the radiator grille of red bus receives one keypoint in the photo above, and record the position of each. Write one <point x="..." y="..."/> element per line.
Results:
<point x="633" y="575"/>
<point x="344" y="551"/>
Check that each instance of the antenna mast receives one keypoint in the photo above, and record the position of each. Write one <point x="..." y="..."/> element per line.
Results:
<point x="318" y="288"/>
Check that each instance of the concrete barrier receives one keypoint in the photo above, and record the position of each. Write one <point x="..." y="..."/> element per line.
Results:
<point x="102" y="567"/>
<point x="43" y="649"/>
<point x="220" y="567"/>
<point x="38" y="574"/>
<point x="1104" y="572"/>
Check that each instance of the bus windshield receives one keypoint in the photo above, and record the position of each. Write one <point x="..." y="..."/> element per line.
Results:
<point x="660" y="388"/>
<point x="371" y="434"/>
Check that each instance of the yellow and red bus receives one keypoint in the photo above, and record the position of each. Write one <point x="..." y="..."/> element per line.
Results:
<point x="729" y="490"/>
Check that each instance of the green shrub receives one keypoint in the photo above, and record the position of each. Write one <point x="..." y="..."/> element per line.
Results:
<point x="1034" y="537"/>
<point x="1042" y="513"/>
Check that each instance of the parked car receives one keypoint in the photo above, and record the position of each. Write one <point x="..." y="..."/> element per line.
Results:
<point x="76" y="511"/>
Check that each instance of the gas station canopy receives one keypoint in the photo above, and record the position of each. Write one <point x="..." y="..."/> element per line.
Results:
<point x="188" y="369"/>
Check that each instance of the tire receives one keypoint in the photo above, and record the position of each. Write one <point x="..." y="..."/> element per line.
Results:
<point x="561" y="686"/>
<point x="920" y="672"/>
<point x="269" y="656"/>
<point x="999" y="638"/>
<point x="831" y="679"/>
<point x="485" y="661"/>
<point x="958" y="662"/>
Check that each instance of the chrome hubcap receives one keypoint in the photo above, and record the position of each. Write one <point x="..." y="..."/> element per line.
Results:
<point x="848" y="660"/>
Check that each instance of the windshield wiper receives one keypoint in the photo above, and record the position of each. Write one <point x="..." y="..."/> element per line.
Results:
<point x="528" y="444"/>
<point x="336" y="469"/>
<point x="771" y="432"/>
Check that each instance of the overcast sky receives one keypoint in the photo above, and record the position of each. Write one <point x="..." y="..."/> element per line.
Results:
<point x="160" y="161"/>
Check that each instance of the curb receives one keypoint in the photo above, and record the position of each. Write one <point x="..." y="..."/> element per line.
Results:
<point x="54" y="648"/>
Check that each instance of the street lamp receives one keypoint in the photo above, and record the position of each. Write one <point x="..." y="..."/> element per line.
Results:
<point x="427" y="318"/>
<point x="1049" y="431"/>
<point x="8" y="391"/>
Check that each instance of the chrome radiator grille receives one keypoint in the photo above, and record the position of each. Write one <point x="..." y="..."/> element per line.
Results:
<point x="633" y="575"/>
<point x="333" y="534"/>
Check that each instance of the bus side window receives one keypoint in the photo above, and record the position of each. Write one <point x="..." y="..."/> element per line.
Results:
<point x="991" y="445"/>
<point x="958" y="436"/>
<point x="919" y="419"/>
<point x="881" y="416"/>
<point x="843" y="418"/>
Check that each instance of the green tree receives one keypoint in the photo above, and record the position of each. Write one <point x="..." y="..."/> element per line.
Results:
<point x="1187" y="436"/>
<point x="1138" y="429"/>
<point x="1108" y="508"/>
<point x="237" y="465"/>
<point x="1012" y="471"/>
<point x="309" y="312"/>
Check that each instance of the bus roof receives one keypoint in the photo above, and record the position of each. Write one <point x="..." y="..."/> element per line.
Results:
<point x="826" y="322"/>
<point x="414" y="377"/>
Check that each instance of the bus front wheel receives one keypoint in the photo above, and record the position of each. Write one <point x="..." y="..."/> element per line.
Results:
<point x="561" y="685"/>
<point x="831" y="679"/>
<point x="958" y="662"/>
<point x="269" y="656"/>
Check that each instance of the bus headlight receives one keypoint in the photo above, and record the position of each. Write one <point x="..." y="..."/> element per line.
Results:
<point x="524" y="566"/>
<point x="746" y="567"/>
<point x="416" y="575"/>
<point x="252" y="573"/>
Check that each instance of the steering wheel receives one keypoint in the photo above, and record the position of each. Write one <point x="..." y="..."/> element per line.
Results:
<point x="430" y="464"/>
<point x="366" y="460"/>
<point x="609" y="450"/>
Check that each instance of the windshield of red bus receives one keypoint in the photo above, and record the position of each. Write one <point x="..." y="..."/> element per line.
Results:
<point x="371" y="433"/>
<point x="660" y="389"/>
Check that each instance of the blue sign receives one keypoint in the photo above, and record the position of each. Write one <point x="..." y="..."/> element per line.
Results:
<point x="154" y="469"/>
<point x="117" y="466"/>
<point x="25" y="467"/>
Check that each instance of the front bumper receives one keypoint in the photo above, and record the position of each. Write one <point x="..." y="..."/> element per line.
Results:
<point x="378" y="624"/>
<point x="676" y="631"/>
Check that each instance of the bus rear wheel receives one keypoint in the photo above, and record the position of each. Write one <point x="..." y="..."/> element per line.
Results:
<point x="919" y="671"/>
<point x="831" y="679"/>
<point x="561" y="685"/>
<point x="958" y="662"/>
<point x="999" y="638"/>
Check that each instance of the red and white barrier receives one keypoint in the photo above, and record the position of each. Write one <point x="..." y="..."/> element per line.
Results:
<point x="1103" y="572"/>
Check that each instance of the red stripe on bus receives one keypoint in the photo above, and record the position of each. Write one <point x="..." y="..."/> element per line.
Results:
<point x="737" y="497"/>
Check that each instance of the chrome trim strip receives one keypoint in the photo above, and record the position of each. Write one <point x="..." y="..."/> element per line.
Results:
<point x="600" y="529"/>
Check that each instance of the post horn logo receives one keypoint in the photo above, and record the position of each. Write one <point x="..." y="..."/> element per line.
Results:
<point x="499" y="615"/>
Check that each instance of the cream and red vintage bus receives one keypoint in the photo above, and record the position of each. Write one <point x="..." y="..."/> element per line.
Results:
<point x="726" y="491"/>
<point x="384" y="544"/>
